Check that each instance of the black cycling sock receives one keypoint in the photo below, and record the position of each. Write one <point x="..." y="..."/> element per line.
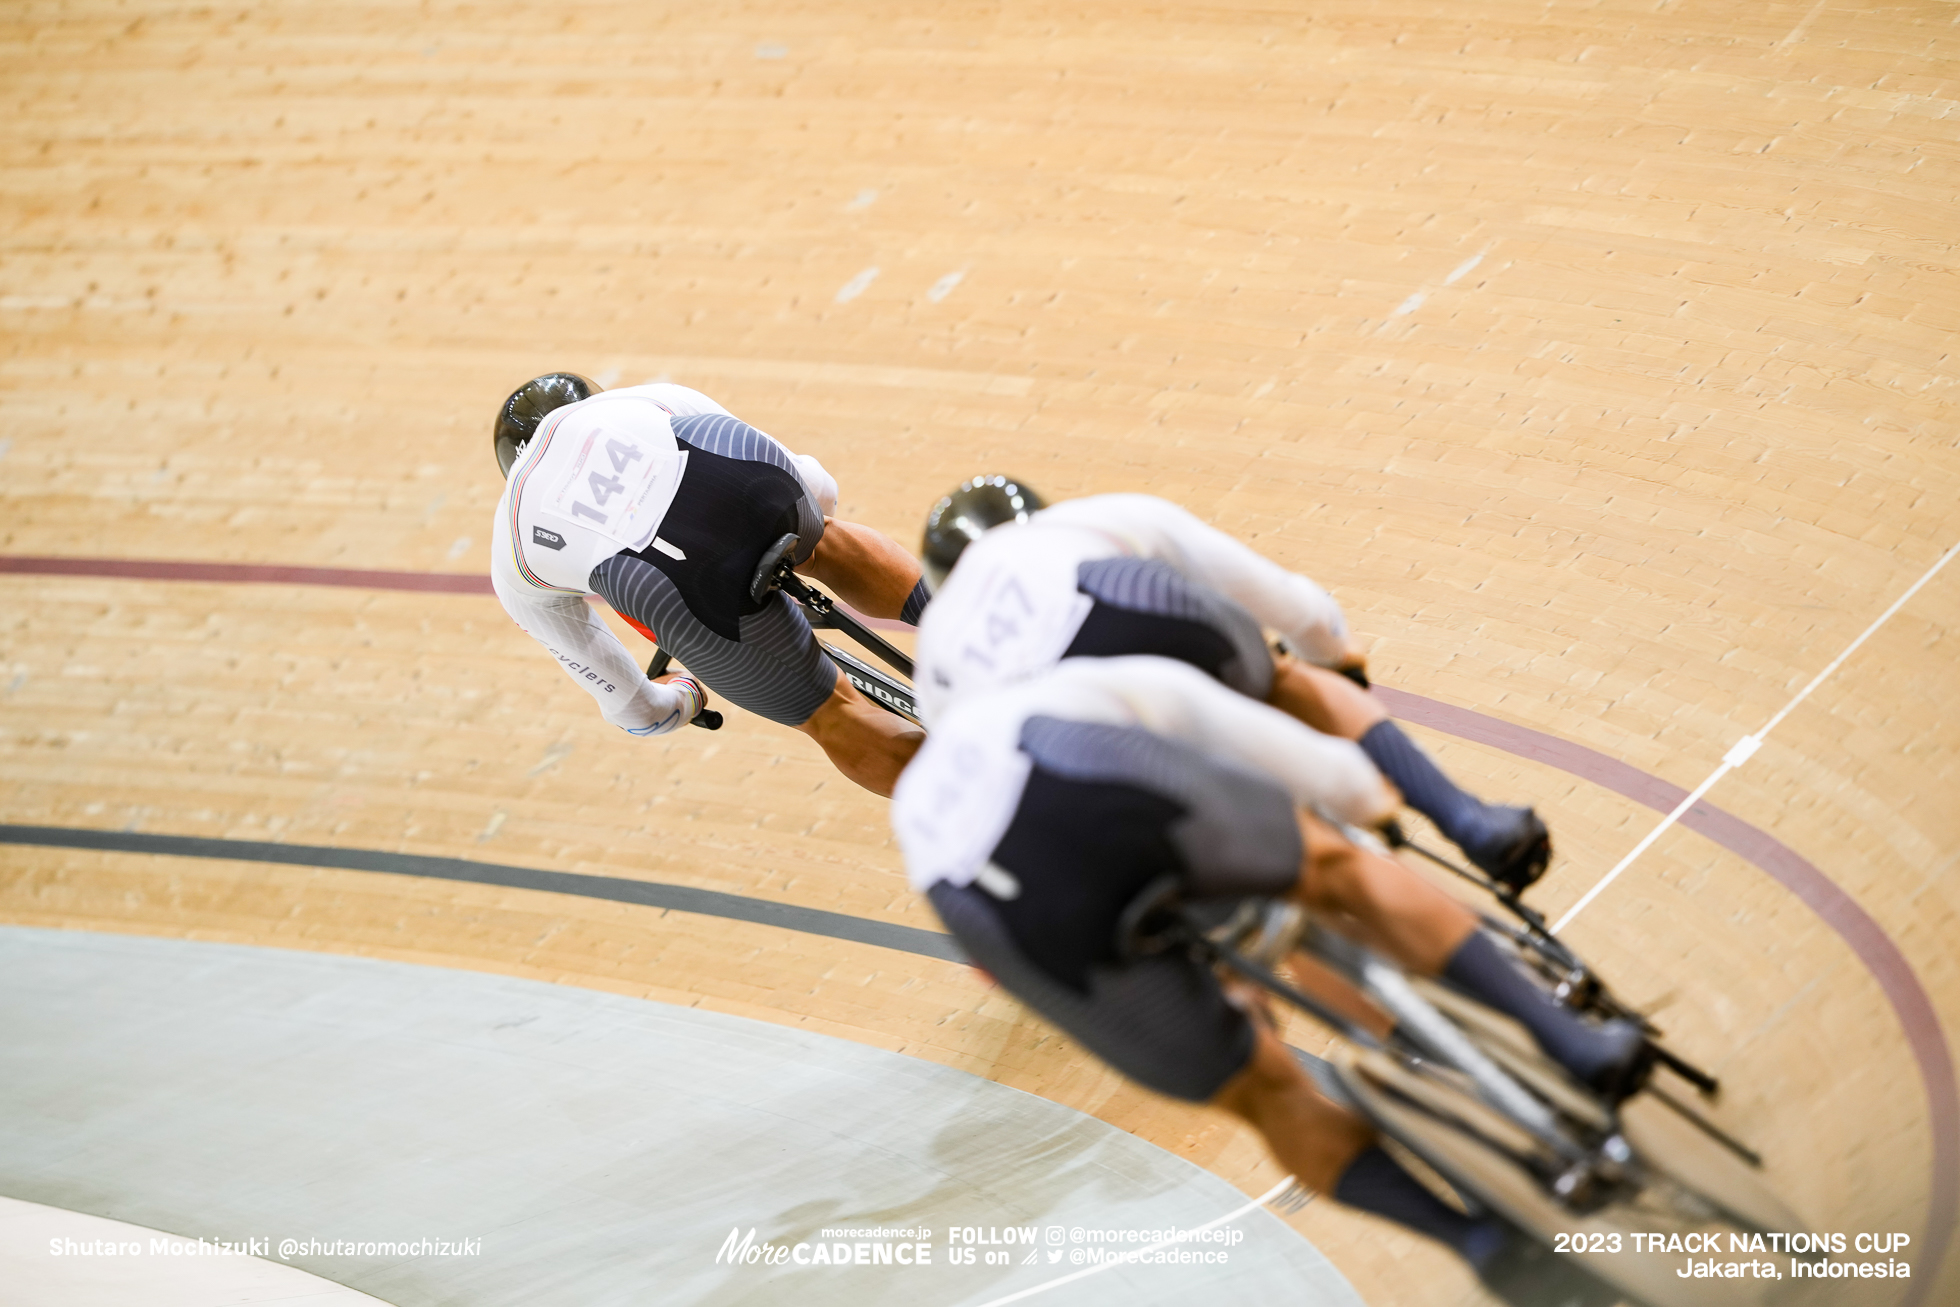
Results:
<point x="915" y="603"/>
<point x="1374" y="1183"/>
<point x="1480" y="968"/>
<point x="1458" y="815"/>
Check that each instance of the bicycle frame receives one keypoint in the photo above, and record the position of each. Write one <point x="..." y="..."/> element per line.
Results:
<point x="888" y="692"/>
<point x="1417" y="1021"/>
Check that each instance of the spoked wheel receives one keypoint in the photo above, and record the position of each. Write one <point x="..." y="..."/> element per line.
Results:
<point x="1678" y="1149"/>
<point x="1643" y="1169"/>
<point x="1468" y="1092"/>
<point x="1701" y="1171"/>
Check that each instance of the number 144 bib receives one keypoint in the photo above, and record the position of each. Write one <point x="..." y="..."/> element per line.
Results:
<point x="603" y="482"/>
<point x="616" y="480"/>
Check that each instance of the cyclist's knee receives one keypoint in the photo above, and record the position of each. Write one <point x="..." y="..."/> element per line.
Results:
<point x="1332" y="868"/>
<point x="1324" y="700"/>
<point x="834" y="713"/>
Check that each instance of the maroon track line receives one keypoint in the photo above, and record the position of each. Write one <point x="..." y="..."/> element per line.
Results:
<point x="135" y="569"/>
<point x="1817" y="891"/>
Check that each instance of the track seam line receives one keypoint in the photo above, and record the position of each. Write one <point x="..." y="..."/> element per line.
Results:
<point x="1745" y="748"/>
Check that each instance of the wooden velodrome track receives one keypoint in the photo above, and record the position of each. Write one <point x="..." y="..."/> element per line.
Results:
<point x="1597" y="356"/>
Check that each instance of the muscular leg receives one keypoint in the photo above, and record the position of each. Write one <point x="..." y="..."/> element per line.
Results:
<point x="1432" y="934"/>
<point x="867" y="569"/>
<point x="1331" y="1151"/>
<point x="1324" y="700"/>
<point x="1509" y="843"/>
<point x="1407" y="917"/>
<point x="1308" y="1135"/>
<point x="866" y="743"/>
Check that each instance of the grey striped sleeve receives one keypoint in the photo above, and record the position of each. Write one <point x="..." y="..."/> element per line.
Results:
<point x="731" y="437"/>
<point x="1238" y="834"/>
<point x="1150" y="585"/>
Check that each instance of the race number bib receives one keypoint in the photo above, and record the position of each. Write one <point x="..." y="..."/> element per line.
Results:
<point x="1020" y="626"/>
<point x="611" y="485"/>
<point x="956" y="801"/>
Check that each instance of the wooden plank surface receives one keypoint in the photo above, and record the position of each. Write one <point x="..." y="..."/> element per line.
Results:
<point x="1596" y="356"/>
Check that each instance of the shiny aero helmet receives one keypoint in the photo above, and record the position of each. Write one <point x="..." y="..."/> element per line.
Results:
<point x="979" y="504"/>
<point x="518" y="419"/>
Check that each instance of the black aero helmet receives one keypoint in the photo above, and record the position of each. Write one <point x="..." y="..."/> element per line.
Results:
<point x="969" y="512"/>
<point x="517" y="420"/>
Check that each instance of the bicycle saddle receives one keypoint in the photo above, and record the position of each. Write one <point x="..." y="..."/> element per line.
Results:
<point x="768" y="572"/>
<point x="1153" y="922"/>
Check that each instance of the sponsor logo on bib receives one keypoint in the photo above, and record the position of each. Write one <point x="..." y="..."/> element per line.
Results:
<point x="549" y="539"/>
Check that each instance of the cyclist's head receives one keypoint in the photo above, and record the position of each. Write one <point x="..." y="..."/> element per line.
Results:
<point x="518" y="419"/>
<point x="964" y="516"/>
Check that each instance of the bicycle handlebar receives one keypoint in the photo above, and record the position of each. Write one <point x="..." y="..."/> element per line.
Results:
<point x="707" y="719"/>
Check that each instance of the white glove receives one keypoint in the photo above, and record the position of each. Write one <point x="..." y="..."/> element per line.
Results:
<point x="694" y="697"/>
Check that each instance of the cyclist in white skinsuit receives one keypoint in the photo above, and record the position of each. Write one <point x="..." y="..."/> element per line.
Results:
<point x="1037" y="813"/>
<point x="658" y="500"/>
<point x="1122" y="574"/>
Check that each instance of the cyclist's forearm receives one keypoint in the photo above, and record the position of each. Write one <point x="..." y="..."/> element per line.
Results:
<point x="588" y="652"/>
<point x="867" y="569"/>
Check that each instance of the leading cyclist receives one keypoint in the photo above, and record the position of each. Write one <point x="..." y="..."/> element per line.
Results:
<point x="657" y="499"/>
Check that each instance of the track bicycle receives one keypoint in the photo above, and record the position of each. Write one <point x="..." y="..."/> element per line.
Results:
<point x="1461" y="1094"/>
<point x="1469" y="1105"/>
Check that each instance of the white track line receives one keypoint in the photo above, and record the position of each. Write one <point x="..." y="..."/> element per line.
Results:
<point x="1748" y="744"/>
<point x="1125" y="1259"/>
